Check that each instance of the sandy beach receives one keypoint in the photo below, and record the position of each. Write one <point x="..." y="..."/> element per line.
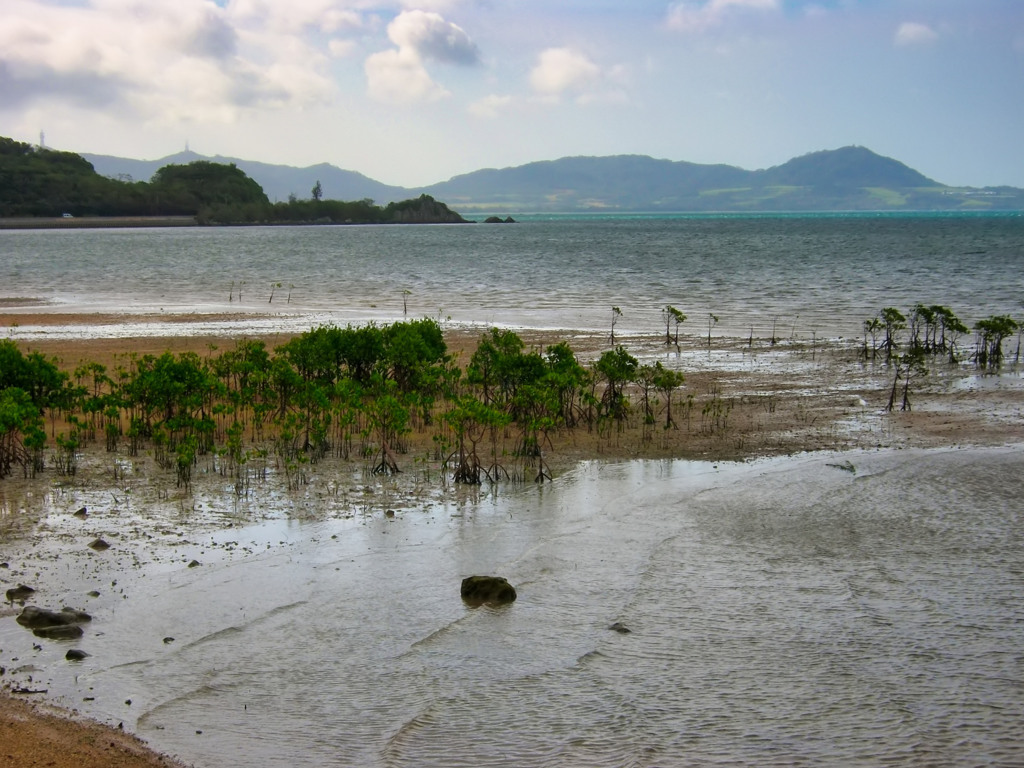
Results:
<point x="784" y="398"/>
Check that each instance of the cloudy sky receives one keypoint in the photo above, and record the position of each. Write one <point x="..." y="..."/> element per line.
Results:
<point x="412" y="92"/>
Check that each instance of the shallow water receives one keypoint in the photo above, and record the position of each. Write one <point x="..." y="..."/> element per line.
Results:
<point x="859" y="609"/>
<point x="767" y="276"/>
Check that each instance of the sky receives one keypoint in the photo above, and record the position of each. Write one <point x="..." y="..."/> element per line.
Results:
<point x="413" y="92"/>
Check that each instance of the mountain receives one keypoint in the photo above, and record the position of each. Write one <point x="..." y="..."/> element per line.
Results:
<point x="845" y="179"/>
<point x="278" y="181"/>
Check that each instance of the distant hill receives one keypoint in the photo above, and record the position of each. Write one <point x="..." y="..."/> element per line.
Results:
<point x="849" y="178"/>
<point x="278" y="181"/>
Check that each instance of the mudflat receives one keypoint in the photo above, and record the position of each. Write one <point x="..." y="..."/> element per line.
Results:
<point x="783" y="397"/>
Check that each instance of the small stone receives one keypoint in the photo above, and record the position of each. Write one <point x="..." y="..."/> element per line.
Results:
<point x="82" y="513"/>
<point x="99" y="545"/>
<point x="76" y="654"/>
<point x="168" y="640"/>
<point x="194" y="564"/>
<point x="621" y="628"/>
<point x="20" y="592"/>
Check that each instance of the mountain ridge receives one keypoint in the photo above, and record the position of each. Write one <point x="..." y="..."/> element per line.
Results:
<point x="848" y="178"/>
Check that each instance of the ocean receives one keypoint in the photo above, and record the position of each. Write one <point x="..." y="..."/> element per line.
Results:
<point x="820" y="275"/>
<point x="855" y="609"/>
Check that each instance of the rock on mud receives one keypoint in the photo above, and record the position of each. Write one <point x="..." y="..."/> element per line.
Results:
<point x="492" y="590"/>
<point x="53" y="625"/>
<point x="20" y="593"/>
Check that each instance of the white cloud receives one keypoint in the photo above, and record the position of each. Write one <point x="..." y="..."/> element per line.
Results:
<point x="162" y="60"/>
<point x="911" y="33"/>
<point x="490" y="106"/>
<point x="561" y="70"/>
<point x="399" y="76"/>
<point x="431" y="37"/>
<point x="441" y="6"/>
<point x="701" y="15"/>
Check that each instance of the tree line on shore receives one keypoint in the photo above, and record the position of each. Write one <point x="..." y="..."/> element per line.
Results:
<point x="353" y="392"/>
<point x="40" y="182"/>
<point x="360" y="392"/>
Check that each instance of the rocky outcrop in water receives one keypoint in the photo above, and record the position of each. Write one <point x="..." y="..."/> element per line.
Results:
<point x="53" y="625"/>
<point x="490" y="590"/>
<point x="422" y="210"/>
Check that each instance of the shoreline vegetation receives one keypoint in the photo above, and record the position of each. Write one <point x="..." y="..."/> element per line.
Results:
<point x="456" y="409"/>
<point x="47" y="189"/>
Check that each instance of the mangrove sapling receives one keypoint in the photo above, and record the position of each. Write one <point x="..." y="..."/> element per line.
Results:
<point x="991" y="332"/>
<point x="893" y="322"/>
<point x="617" y="368"/>
<point x="949" y="330"/>
<point x="22" y="434"/>
<point x="666" y="381"/>
<point x="921" y="323"/>
<point x="712" y="321"/>
<point x="645" y="380"/>
<point x="273" y="287"/>
<point x="872" y="327"/>
<point x="672" y="315"/>
<point x="714" y="416"/>
<point x="909" y="367"/>
<point x="616" y="314"/>
<point x="405" y="302"/>
<point x="470" y="419"/>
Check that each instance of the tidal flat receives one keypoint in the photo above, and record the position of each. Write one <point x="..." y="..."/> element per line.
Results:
<point x="821" y="580"/>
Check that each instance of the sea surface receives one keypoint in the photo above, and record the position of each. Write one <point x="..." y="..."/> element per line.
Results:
<point x="855" y="609"/>
<point x="781" y="275"/>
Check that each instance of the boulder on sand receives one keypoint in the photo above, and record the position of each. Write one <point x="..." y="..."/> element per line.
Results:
<point x="53" y="625"/>
<point x="492" y="590"/>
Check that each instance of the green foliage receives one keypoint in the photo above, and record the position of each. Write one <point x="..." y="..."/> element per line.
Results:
<point x="41" y="182"/>
<point x="672" y="315"/>
<point x="992" y="330"/>
<point x="21" y="432"/>
<point x="617" y="368"/>
<point x="204" y="189"/>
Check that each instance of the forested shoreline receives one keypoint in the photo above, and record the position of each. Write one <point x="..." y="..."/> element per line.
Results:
<point x="36" y="182"/>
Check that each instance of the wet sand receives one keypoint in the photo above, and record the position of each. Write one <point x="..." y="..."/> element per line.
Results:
<point x="785" y="398"/>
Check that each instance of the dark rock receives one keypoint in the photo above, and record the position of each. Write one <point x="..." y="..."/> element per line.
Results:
<point x="499" y="220"/>
<point x="20" y="592"/>
<point x="53" y="625"/>
<point x="99" y="545"/>
<point x="94" y="593"/>
<point x="64" y="632"/>
<point x="423" y="210"/>
<point x="621" y="628"/>
<point x="168" y="640"/>
<point x="76" y="655"/>
<point x="509" y="220"/>
<point x="82" y="513"/>
<point x="194" y="564"/>
<point x="492" y="590"/>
